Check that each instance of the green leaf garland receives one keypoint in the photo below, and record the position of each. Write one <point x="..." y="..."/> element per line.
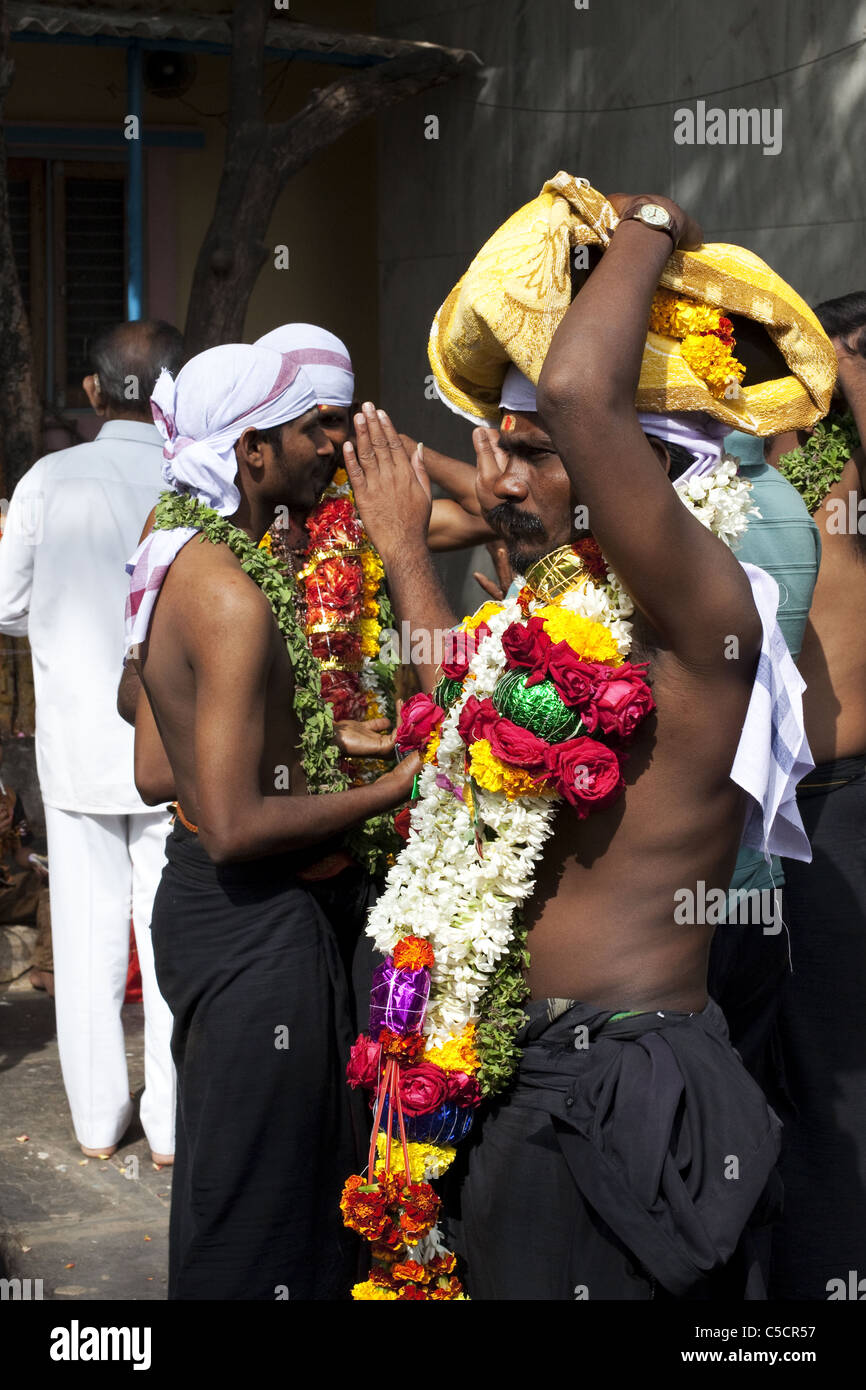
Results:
<point x="375" y="841"/>
<point x="817" y="465"/>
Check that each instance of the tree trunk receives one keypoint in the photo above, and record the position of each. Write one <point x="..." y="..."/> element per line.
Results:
<point x="261" y="158"/>
<point x="20" y="418"/>
<point x="19" y="402"/>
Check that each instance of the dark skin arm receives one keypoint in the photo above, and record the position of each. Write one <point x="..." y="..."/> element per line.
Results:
<point x="393" y="496"/>
<point x="453" y="475"/>
<point x="458" y="523"/>
<point x="236" y="820"/>
<point x="452" y="528"/>
<point x="686" y="582"/>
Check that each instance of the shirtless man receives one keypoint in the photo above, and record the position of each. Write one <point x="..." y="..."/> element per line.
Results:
<point x="823" y="1232"/>
<point x="628" y="1197"/>
<point x="246" y="959"/>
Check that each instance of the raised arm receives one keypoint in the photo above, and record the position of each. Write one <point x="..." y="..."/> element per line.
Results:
<point x="453" y="528"/>
<point x="393" y="496"/>
<point x="685" y="581"/>
<point x="236" y="820"/>
<point x="453" y="475"/>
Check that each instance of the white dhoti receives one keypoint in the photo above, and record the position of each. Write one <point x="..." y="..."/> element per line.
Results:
<point x="104" y="869"/>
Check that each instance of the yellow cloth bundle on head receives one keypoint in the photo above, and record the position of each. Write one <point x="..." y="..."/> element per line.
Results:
<point x="511" y="300"/>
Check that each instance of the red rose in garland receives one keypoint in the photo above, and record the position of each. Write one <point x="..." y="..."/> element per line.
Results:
<point x="587" y="773"/>
<point x="460" y="647"/>
<point x="476" y="719"/>
<point x="518" y="747"/>
<point x="528" y="645"/>
<point x="462" y="1089"/>
<point x="418" y="719"/>
<point x="423" y="1088"/>
<point x="621" y="702"/>
<point x="363" y="1065"/>
<point x="575" y="680"/>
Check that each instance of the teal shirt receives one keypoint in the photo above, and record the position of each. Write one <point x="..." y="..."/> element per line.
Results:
<point x="787" y="544"/>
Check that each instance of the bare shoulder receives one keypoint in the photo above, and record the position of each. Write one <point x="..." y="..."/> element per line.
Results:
<point x="209" y="591"/>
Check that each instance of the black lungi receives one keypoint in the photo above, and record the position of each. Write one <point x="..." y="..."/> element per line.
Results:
<point x="823" y="1039"/>
<point x="638" y="1166"/>
<point x="267" y="1130"/>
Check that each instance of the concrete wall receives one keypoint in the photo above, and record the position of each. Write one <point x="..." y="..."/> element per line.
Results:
<point x="594" y="90"/>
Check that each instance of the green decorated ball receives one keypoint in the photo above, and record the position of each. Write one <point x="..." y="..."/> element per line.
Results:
<point x="538" y="708"/>
<point x="446" y="692"/>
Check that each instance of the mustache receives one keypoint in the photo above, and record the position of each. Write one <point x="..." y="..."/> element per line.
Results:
<point x="507" y="517"/>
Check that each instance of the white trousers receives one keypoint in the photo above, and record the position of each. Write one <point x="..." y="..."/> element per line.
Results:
<point x="102" y="870"/>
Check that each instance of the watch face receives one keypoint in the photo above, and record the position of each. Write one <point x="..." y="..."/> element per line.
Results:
<point x="654" y="215"/>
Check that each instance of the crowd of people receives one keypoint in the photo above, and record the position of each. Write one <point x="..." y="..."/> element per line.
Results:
<point x="524" y="963"/>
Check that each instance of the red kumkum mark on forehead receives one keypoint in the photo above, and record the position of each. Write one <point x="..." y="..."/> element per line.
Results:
<point x="508" y="422"/>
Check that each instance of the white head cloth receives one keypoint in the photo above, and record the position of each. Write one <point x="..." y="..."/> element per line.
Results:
<point x="323" y="357"/>
<point x="773" y="752"/>
<point x="201" y="415"/>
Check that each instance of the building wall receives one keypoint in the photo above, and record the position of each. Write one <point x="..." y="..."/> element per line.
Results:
<point x="326" y="216"/>
<point x="593" y="90"/>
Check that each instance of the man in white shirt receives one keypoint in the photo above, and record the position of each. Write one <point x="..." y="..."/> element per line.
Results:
<point x="73" y="519"/>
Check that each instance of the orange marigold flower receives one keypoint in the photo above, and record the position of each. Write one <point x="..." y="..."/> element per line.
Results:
<point x="451" y="1289"/>
<point x="412" y="1272"/>
<point x="406" y="1048"/>
<point x="413" y="953"/>
<point x="419" y="1208"/>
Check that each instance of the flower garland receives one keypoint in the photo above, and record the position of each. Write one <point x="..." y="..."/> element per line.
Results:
<point x="538" y="705"/>
<point x="706" y="338"/>
<point x="319" y="752"/>
<point x="347" y="604"/>
<point x="342" y="595"/>
<point x="817" y="465"/>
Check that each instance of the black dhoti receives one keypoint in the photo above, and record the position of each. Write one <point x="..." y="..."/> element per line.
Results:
<point x="823" y="1041"/>
<point x="633" y="1158"/>
<point x="266" y="1131"/>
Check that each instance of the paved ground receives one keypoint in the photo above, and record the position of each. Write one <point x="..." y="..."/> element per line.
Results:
<point x="88" y="1228"/>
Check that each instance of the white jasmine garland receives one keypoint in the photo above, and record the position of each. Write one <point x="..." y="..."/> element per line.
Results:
<point x="440" y="888"/>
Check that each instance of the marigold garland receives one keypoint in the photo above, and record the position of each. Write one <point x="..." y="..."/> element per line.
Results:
<point x="706" y="339"/>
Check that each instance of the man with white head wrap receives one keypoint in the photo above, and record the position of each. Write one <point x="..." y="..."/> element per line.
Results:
<point x="326" y="361"/>
<point x="244" y="956"/>
<point x="454" y="525"/>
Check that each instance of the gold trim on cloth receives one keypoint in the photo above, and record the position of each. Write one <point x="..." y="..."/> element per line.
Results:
<point x="556" y="573"/>
<point x="513" y="296"/>
<point x="335" y="624"/>
<point x="336" y="663"/>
